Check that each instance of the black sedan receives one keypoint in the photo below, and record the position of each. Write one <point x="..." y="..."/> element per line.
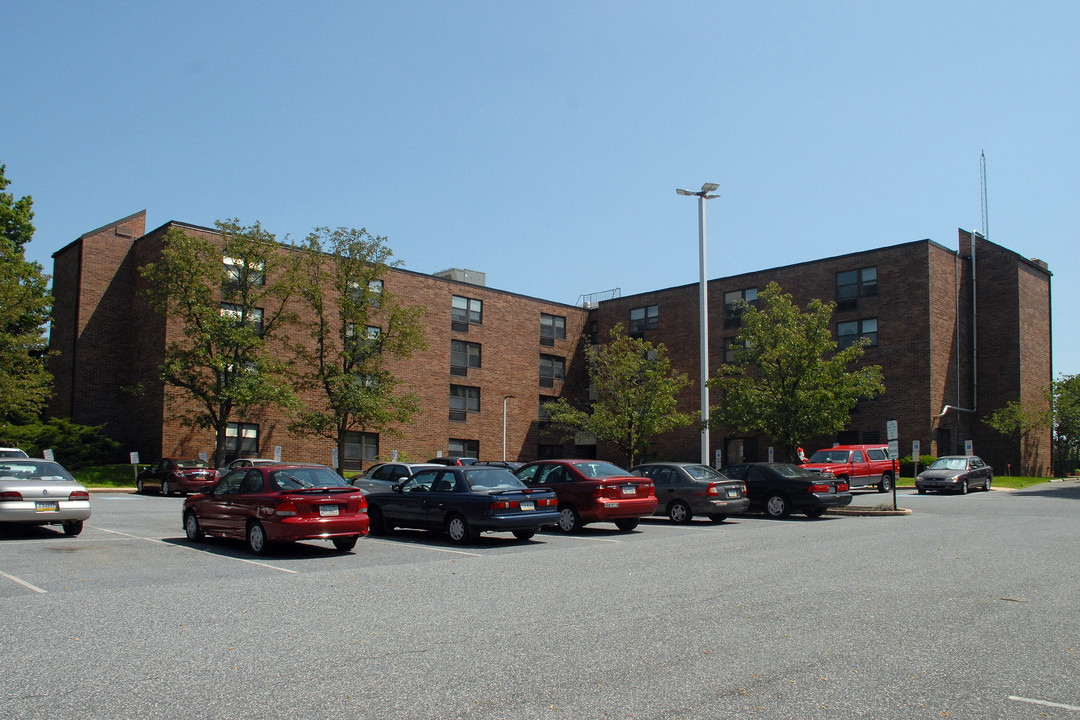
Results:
<point x="684" y="490"/>
<point x="955" y="473"/>
<point x="779" y="489"/>
<point x="464" y="501"/>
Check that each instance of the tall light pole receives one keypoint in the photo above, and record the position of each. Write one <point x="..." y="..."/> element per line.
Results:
<point x="703" y="312"/>
<point x="505" y="398"/>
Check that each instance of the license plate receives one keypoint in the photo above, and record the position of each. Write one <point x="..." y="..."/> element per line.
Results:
<point x="328" y="510"/>
<point x="528" y="505"/>
<point x="47" y="507"/>
<point x="733" y="493"/>
<point x="629" y="490"/>
<point x="611" y="505"/>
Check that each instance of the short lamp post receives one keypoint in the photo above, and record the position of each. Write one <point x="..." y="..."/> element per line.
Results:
<point x="703" y="312"/>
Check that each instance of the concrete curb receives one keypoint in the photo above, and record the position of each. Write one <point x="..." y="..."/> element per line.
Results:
<point x="866" y="510"/>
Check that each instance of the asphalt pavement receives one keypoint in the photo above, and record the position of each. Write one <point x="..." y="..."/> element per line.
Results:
<point x="967" y="608"/>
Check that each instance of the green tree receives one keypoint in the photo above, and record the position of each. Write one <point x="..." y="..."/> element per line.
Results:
<point x="357" y="330"/>
<point x="635" y="392"/>
<point x="25" y="302"/>
<point x="788" y="381"/>
<point x="1066" y="404"/>
<point x="231" y="301"/>
<point x="1023" y="421"/>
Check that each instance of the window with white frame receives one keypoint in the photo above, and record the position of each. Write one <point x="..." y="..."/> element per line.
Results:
<point x="241" y="440"/>
<point x="465" y="311"/>
<point x="236" y="269"/>
<point x="361" y="446"/>
<point x="464" y="355"/>
<point x="251" y="316"/>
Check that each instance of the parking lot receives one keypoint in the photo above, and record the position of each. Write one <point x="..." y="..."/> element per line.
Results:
<point x="968" y="608"/>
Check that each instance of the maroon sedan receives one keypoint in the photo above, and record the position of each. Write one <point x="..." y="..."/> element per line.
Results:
<point x="176" y="475"/>
<point x="267" y="504"/>
<point x="592" y="491"/>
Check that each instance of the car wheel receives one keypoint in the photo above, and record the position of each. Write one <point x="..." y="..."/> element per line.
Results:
<point x="626" y="525"/>
<point x="776" y="506"/>
<point x="524" y="535"/>
<point x="922" y="491"/>
<point x="457" y="527"/>
<point x="989" y="481"/>
<point x="165" y="489"/>
<point x="256" y="539"/>
<point x="815" y="512"/>
<point x="964" y="488"/>
<point x="718" y="518"/>
<point x="344" y="544"/>
<point x="139" y="487"/>
<point x="376" y="521"/>
<point x="73" y="527"/>
<point x="886" y="483"/>
<point x="192" y="528"/>
<point x="679" y="512"/>
<point x="569" y="520"/>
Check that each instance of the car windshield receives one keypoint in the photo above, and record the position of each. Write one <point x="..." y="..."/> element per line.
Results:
<point x="312" y="477"/>
<point x="829" y="456"/>
<point x="492" y="479"/>
<point x="33" y="470"/>
<point x="599" y="469"/>
<point x="949" y="464"/>
<point x="785" y="470"/>
<point x="191" y="464"/>
<point x="704" y="472"/>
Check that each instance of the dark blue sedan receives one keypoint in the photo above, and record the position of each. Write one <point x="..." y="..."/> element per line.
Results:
<point x="464" y="501"/>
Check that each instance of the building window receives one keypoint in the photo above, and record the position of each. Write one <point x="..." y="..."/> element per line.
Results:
<point x="733" y="309"/>
<point x="465" y="312"/>
<point x="464" y="448"/>
<point x="463" y="355"/>
<point x="549" y="452"/>
<point x="241" y="440"/>
<point x="644" y="318"/>
<point x="463" y="399"/>
<point x="593" y="332"/>
<point x="373" y="296"/>
<point x="732" y="346"/>
<point x="552" y="328"/>
<point x="852" y="284"/>
<point x="251" y="316"/>
<point x="361" y="446"/>
<point x="370" y="338"/>
<point x="545" y="411"/>
<point x="552" y="368"/>
<point x="848" y="332"/>
<point x="235" y="271"/>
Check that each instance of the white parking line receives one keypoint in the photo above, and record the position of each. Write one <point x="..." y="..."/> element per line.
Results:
<point x="1045" y="703"/>
<point x="191" y="549"/>
<point x="422" y="547"/>
<point x="589" y="539"/>
<point x="25" y="584"/>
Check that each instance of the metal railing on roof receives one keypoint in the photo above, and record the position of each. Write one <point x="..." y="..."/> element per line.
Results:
<point x="594" y="299"/>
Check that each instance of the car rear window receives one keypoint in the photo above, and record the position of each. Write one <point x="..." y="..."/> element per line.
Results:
<point x="829" y="456"/>
<point x="599" y="470"/>
<point x="191" y="464"/>
<point x="34" y="470"/>
<point x="704" y="472"/>
<point x="491" y="479"/>
<point x="299" y="478"/>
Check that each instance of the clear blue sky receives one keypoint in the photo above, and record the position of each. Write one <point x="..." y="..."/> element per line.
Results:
<point x="542" y="142"/>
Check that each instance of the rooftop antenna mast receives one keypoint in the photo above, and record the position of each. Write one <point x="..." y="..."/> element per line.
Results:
<point x="985" y="212"/>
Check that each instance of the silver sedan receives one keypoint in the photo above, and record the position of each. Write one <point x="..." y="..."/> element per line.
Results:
<point x="40" y="492"/>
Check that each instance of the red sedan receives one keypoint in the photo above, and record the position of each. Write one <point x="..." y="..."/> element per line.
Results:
<point x="279" y="503"/>
<point x="592" y="491"/>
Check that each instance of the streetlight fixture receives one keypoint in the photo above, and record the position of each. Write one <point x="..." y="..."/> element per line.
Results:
<point x="703" y="312"/>
<point x="505" y="398"/>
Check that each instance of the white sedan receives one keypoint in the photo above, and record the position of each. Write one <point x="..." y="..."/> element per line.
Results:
<point x="40" y="492"/>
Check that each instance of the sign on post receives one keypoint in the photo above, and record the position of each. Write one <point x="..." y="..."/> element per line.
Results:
<point x="134" y="458"/>
<point x="47" y="454"/>
<point x="770" y="453"/>
<point x="969" y="448"/>
<point x="718" y="464"/>
<point x="277" y="453"/>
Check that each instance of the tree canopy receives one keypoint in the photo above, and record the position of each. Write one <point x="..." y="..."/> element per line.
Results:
<point x="25" y="304"/>
<point x="788" y="381"/>
<point x="635" y="391"/>
<point x="1066" y="404"/>
<point x="356" y="328"/>
<point x="231" y="300"/>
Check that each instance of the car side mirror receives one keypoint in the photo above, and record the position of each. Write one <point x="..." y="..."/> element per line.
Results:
<point x="396" y="488"/>
<point x="402" y="479"/>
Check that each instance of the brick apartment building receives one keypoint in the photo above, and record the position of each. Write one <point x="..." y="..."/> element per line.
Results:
<point x="494" y="357"/>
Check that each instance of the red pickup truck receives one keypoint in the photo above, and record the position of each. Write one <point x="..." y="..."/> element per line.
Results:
<point x="860" y="465"/>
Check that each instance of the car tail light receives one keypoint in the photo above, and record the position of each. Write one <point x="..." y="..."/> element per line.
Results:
<point x="842" y="487"/>
<point x="286" y="509"/>
<point x="714" y="489"/>
<point x="547" y="502"/>
<point x="10" y="495"/>
<point x="79" y="495"/>
<point x="500" y="505"/>
<point x="819" y="488"/>
<point x="362" y="500"/>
